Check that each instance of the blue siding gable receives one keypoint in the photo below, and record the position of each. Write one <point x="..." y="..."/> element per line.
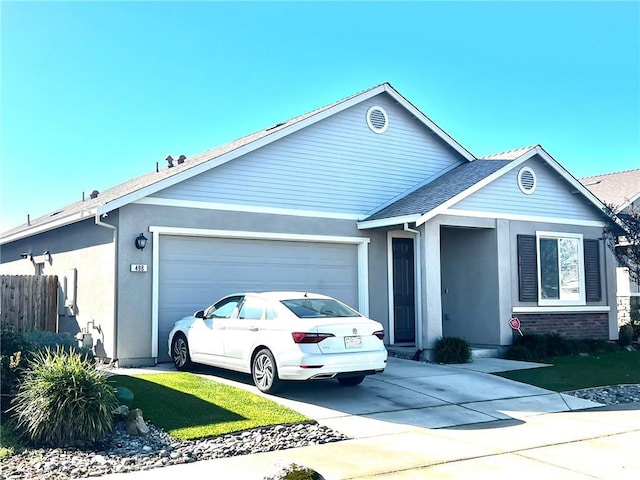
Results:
<point x="553" y="197"/>
<point x="336" y="165"/>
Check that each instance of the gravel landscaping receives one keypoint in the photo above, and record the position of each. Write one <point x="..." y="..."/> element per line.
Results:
<point x="125" y="453"/>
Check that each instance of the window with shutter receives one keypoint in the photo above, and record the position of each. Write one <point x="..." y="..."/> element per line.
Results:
<point x="558" y="269"/>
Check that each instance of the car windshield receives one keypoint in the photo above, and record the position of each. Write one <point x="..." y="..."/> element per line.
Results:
<point x="318" y="308"/>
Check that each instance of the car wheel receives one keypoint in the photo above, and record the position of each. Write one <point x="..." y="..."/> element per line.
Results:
<point x="180" y="352"/>
<point x="265" y="372"/>
<point x="351" y="381"/>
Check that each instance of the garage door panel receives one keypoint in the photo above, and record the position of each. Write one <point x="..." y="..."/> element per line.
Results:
<point x="196" y="271"/>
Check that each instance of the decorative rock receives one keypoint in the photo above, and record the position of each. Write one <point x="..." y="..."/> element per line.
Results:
<point x="135" y="423"/>
<point x="122" y="452"/>
<point x="122" y="411"/>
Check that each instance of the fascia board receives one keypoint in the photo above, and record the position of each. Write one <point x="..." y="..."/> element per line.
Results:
<point x="429" y="123"/>
<point x="45" y="227"/>
<point x="481" y="184"/>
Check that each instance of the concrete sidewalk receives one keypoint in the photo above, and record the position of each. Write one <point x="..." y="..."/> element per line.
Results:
<point x="420" y="420"/>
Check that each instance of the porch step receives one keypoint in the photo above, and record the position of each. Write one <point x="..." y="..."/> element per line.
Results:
<point x="402" y="352"/>
<point x="484" y="352"/>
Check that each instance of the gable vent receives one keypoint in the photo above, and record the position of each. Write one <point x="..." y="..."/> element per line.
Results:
<point x="527" y="180"/>
<point x="377" y="119"/>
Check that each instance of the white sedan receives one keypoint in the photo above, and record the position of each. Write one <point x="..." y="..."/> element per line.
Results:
<point x="278" y="336"/>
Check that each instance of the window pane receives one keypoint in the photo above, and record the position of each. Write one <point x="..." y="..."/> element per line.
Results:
<point x="549" y="279"/>
<point x="251" y="309"/>
<point x="569" y="269"/>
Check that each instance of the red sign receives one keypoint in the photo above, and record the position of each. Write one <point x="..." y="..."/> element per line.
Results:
<point x="515" y="324"/>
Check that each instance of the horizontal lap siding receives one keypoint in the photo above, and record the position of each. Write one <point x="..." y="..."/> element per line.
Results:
<point x="553" y="197"/>
<point x="335" y="165"/>
<point x="568" y="325"/>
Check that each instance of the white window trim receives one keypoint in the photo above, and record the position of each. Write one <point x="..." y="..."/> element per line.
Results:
<point x="551" y="302"/>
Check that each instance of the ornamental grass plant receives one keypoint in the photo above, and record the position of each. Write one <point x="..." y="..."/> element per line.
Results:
<point x="63" y="400"/>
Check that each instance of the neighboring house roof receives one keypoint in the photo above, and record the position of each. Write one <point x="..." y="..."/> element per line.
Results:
<point x="619" y="189"/>
<point x="144" y="185"/>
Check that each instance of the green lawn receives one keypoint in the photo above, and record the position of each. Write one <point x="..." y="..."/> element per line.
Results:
<point x="574" y="373"/>
<point x="189" y="406"/>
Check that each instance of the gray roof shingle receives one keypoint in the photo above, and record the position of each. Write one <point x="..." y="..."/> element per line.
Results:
<point x="442" y="189"/>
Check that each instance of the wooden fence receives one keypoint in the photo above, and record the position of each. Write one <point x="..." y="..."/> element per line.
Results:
<point x="30" y="302"/>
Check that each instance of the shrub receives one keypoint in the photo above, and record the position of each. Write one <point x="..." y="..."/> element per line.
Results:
<point x="452" y="350"/>
<point x="12" y="361"/>
<point x="625" y="335"/>
<point x="63" y="400"/>
<point x="537" y="347"/>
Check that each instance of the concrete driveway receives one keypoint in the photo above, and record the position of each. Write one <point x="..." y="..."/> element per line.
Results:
<point x="416" y="394"/>
<point x="412" y="394"/>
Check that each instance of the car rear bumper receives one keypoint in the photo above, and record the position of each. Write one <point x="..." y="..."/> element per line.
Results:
<point x="316" y="367"/>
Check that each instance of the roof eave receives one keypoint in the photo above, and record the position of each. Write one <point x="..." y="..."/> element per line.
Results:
<point x="387" y="222"/>
<point x="47" y="226"/>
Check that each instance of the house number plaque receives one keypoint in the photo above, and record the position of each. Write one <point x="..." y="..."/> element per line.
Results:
<point x="138" y="267"/>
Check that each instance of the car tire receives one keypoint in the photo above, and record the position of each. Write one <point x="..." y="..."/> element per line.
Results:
<point x="351" y="381"/>
<point x="265" y="372"/>
<point x="180" y="352"/>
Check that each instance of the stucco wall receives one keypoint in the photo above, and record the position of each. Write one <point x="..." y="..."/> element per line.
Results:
<point x="470" y="285"/>
<point x="134" y="310"/>
<point x="88" y="249"/>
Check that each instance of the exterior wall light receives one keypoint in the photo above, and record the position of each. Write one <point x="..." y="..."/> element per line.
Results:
<point x="141" y="242"/>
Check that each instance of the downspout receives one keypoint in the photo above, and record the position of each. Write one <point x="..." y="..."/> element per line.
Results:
<point x="418" y="284"/>
<point x="100" y="223"/>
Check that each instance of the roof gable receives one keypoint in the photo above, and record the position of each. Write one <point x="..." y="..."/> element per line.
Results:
<point x="148" y="184"/>
<point x="430" y="200"/>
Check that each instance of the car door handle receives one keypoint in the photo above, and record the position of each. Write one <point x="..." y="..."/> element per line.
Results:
<point x="253" y="329"/>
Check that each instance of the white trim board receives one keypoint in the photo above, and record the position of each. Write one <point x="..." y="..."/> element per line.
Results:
<point x="562" y="309"/>
<point x="157" y="231"/>
<point x="523" y="218"/>
<point x="166" y="202"/>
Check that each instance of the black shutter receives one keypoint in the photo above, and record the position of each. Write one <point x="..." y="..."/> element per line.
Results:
<point x="527" y="268"/>
<point x="592" y="270"/>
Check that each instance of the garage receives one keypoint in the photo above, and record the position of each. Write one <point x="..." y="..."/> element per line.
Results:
<point x="195" y="271"/>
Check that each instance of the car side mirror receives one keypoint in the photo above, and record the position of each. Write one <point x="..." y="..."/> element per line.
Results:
<point x="199" y="314"/>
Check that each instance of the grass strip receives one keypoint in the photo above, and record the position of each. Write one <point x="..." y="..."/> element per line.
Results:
<point x="577" y="372"/>
<point x="190" y="406"/>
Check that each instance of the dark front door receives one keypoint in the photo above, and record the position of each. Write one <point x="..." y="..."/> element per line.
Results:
<point x="404" y="300"/>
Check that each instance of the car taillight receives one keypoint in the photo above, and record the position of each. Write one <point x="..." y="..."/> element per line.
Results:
<point x="379" y="334"/>
<point x="305" y="337"/>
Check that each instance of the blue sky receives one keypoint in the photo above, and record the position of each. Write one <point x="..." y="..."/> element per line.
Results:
<point x="95" y="93"/>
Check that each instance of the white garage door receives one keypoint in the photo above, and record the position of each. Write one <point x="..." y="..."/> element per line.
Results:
<point x="196" y="271"/>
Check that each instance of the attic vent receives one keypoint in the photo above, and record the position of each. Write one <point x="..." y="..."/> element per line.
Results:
<point x="527" y="181"/>
<point x="94" y="194"/>
<point x="181" y="159"/>
<point x="377" y="119"/>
